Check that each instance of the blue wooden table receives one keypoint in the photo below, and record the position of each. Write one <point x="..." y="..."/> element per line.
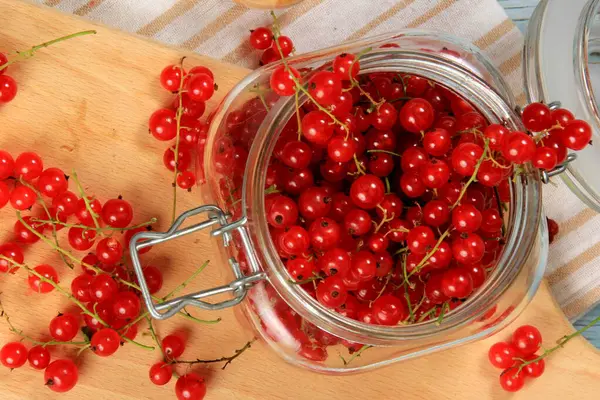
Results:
<point x="520" y="11"/>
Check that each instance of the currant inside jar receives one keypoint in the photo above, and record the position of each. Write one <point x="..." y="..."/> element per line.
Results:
<point x="337" y="225"/>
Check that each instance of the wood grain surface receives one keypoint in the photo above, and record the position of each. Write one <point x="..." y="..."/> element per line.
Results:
<point x="84" y="105"/>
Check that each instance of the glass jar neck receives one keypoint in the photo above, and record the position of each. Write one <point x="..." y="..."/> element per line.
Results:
<point x="524" y="216"/>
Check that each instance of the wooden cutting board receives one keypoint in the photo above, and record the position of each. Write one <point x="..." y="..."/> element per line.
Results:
<point x="84" y="105"/>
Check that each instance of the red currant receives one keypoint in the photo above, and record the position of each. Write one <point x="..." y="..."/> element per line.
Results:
<point x="437" y="142"/>
<point x="8" y="88"/>
<point x="171" y="76"/>
<point x="61" y="376"/>
<point x="325" y="87"/>
<point x="163" y="124"/>
<point x="536" y="117"/>
<point x="332" y="292"/>
<point x="417" y="115"/>
<point x="519" y="147"/>
<point x="39" y="286"/>
<point x="190" y="387"/>
<point x="83" y="214"/>
<point x="346" y="66"/>
<point x="535" y="369"/>
<point x="103" y="287"/>
<point x="545" y="158"/>
<point x="173" y="346"/>
<point x="465" y="158"/>
<point x="466" y="218"/>
<point x="38" y="357"/>
<point x="436" y="213"/>
<point x="200" y="87"/>
<point x="109" y="250"/>
<point x="420" y="239"/>
<point x="434" y="174"/>
<point x="496" y="134"/>
<point x="285" y="44"/>
<point x="81" y="239"/>
<point x="24" y="234"/>
<point x="80" y="287"/>
<point x="367" y="191"/>
<point x="186" y="180"/>
<point x="457" y="283"/>
<point x="576" y="134"/>
<point x="282" y="80"/>
<point x="64" y="327"/>
<point x="527" y="339"/>
<point x="317" y="127"/>
<point x="22" y="198"/>
<point x="105" y="342"/>
<point x="512" y="380"/>
<point x="13" y="355"/>
<point x="468" y="249"/>
<point x="117" y="213"/>
<point x="126" y="305"/>
<point x="261" y="38"/>
<point x="161" y="373"/>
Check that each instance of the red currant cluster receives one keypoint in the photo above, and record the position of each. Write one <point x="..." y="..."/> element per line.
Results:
<point x="262" y="39"/>
<point x="8" y="86"/>
<point x="104" y="289"/>
<point x="182" y="120"/>
<point x="517" y="358"/>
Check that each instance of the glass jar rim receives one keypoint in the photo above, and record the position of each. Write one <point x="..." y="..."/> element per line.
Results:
<point x="525" y="210"/>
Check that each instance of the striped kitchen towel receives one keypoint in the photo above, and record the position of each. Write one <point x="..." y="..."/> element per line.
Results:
<point x="219" y="28"/>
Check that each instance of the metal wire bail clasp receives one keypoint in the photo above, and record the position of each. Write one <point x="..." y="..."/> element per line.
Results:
<point x="218" y="220"/>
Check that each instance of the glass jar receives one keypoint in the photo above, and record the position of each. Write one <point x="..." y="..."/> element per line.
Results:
<point x="284" y="314"/>
<point x="563" y="63"/>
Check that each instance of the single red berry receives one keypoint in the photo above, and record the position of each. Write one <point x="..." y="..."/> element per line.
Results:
<point x="545" y="158"/>
<point x="190" y="387"/>
<point x="465" y="158"/>
<point x="186" y="180"/>
<point x="109" y="250"/>
<point x="437" y="142"/>
<point x="13" y="355"/>
<point x="105" y="342"/>
<point x="436" y="213"/>
<point x="412" y="185"/>
<point x="173" y="346"/>
<point x="576" y="134"/>
<point x="81" y="239"/>
<point x="64" y="327"/>
<point x="269" y="56"/>
<point x="161" y="373"/>
<point x="282" y="80"/>
<point x="554" y="140"/>
<point x="519" y="147"/>
<point x="457" y="283"/>
<point x="384" y="117"/>
<point x="527" y="339"/>
<point x="433" y="288"/>
<point x="536" y="368"/>
<point x="295" y="241"/>
<point x="417" y="115"/>
<point x="80" y="287"/>
<point x="192" y="109"/>
<point x="536" y="117"/>
<point x="468" y="249"/>
<point x="346" y="66"/>
<point x="154" y="278"/>
<point x="22" y="198"/>
<point x="39" y="286"/>
<point x="52" y="182"/>
<point x="61" y="376"/>
<point x="491" y="221"/>
<point x="39" y="357"/>
<point x="442" y="257"/>
<point x="324" y="233"/>
<point x="561" y="116"/>
<point x="261" y="38"/>
<point x="434" y="174"/>
<point x="13" y="252"/>
<point x="65" y="203"/>
<point x="103" y="287"/>
<point x="413" y="159"/>
<point x="171" y="76"/>
<point x="415" y="85"/>
<point x="334" y="261"/>
<point x="7" y="165"/>
<point x="502" y="355"/>
<point x="184" y="159"/>
<point x="325" y="87"/>
<point x="104" y="310"/>
<point x="367" y="191"/>
<point x="357" y="222"/>
<point x="466" y="218"/>
<point x="490" y="174"/>
<point x="200" y="87"/>
<point x="285" y="44"/>
<point x="341" y="149"/>
<point x="282" y="212"/>
<point x="8" y="88"/>
<point x="420" y="239"/>
<point x="82" y="213"/>
<point x="163" y="124"/>
<point x="317" y="127"/>
<point x="24" y="234"/>
<point x="496" y="134"/>
<point x="126" y="305"/>
<point x="296" y="154"/>
<point x="363" y="266"/>
<point x="300" y="268"/>
<point x="117" y="213"/>
<point x="389" y="310"/>
<point x="332" y="292"/>
<point x="512" y="380"/>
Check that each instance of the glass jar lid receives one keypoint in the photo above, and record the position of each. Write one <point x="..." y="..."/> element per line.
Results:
<point x="562" y="63"/>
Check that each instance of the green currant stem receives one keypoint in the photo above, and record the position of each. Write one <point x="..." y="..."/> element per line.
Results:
<point x="355" y="355"/>
<point x="43" y="204"/>
<point x="445" y="307"/>
<point x="99" y="271"/>
<point x="359" y="168"/>
<point x="500" y="209"/>
<point x="138" y="344"/>
<point x="560" y="343"/>
<point x="227" y="360"/>
<point x="97" y="230"/>
<point x="385" y="285"/>
<point x="24" y="55"/>
<point x="307" y="280"/>
<point x="384" y="151"/>
<point x="178" y="115"/>
<point x="474" y="176"/>
<point x="387" y="185"/>
<point x="155" y="336"/>
<point x="426" y="315"/>
<point x="57" y="287"/>
<point x="85" y="199"/>
<point x="19" y="332"/>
